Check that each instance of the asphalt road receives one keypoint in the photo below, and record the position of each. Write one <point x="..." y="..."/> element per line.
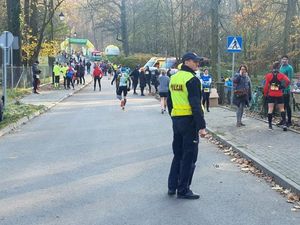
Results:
<point x="86" y="162"/>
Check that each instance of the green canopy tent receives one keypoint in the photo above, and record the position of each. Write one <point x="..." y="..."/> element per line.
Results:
<point x="77" y="44"/>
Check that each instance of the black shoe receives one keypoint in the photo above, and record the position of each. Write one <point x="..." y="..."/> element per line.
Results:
<point x="208" y="110"/>
<point x="289" y="124"/>
<point x="242" y="124"/>
<point x="280" y="123"/>
<point x="270" y="127"/>
<point x="188" y="195"/>
<point x="284" y="128"/>
<point x="171" y="192"/>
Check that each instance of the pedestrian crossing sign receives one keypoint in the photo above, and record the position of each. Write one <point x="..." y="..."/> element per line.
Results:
<point x="234" y="44"/>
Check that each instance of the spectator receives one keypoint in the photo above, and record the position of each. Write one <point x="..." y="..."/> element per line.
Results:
<point x="36" y="76"/>
<point x="242" y="92"/>
<point x="287" y="69"/>
<point x="88" y="67"/>
<point x="70" y="77"/>
<point x="142" y="78"/>
<point x="135" y="79"/>
<point x="275" y="85"/>
<point x="206" y="81"/>
<point x="154" y="79"/>
<point x="97" y="74"/>
<point x="228" y="89"/>
<point x="148" y="78"/>
<point x="57" y="72"/>
<point x="163" y="90"/>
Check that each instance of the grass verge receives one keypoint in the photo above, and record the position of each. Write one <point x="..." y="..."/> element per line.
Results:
<point x="15" y="111"/>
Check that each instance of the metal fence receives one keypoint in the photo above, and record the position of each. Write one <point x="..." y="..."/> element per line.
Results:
<point x="21" y="77"/>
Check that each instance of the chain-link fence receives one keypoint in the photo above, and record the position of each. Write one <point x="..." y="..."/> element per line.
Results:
<point x="21" y="77"/>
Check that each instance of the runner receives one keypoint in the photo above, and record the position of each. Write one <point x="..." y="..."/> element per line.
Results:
<point x="206" y="80"/>
<point x="123" y="87"/>
<point x="276" y="82"/>
<point x="163" y="90"/>
<point x="97" y="74"/>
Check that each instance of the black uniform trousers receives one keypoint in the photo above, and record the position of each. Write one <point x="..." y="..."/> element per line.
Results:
<point x="185" y="149"/>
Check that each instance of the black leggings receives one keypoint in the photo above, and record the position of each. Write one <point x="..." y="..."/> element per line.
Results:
<point x="99" y="83"/>
<point x="134" y="84"/>
<point x="287" y="107"/>
<point x="70" y="81"/>
<point x="142" y="90"/>
<point x="205" y="98"/>
<point x="149" y="86"/>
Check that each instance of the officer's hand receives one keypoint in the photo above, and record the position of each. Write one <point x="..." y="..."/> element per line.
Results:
<point x="202" y="133"/>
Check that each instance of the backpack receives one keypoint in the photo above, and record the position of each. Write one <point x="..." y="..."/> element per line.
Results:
<point x="275" y="84"/>
<point x="97" y="71"/>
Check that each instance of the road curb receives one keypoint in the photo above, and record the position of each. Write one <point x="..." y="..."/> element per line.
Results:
<point x="279" y="178"/>
<point x="11" y="127"/>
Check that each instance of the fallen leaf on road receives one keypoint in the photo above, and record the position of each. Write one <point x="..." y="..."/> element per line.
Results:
<point x="277" y="188"/>
<point x="293" y="197"/>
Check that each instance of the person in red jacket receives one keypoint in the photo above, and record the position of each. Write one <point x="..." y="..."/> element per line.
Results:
<point x="97" y="74"/>
<point x="273" y="91"/>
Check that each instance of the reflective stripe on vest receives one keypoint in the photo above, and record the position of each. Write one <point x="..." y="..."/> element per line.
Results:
<point x="179" y="94"/>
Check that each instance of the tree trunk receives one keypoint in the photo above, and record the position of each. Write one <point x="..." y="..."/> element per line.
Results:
<point x="214" y="37"/>
<point x="26" y="12"/>
<point x="13" y="24"/>
<point x="34" y="18"/>
<point x="290" y="13"/>
<point x="180" y="44"/>
<point x="172" y="12"/>
<point x="124" y="31"/>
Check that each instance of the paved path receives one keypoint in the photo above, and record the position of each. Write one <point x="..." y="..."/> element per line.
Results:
<point x="276" y="151"/>
<point x="86" y="162"/>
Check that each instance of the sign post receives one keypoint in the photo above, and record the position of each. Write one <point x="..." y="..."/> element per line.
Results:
<point x="234" y="45"/>
<point x="6" y="40"/>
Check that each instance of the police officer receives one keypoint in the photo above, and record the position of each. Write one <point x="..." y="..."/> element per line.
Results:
<point x="184" y="104"/>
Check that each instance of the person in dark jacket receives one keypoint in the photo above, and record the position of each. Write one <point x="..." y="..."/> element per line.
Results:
<point x="35" y="76"/>
<point x="154" y="79"/>
<point x="148" y="78"/>
<point x="142" y="79"/>
<point x="88" y="67"/>
<point x="135" y="79"/>
<point x="184" y="105"/>
<point x="241" y="92"/>
<point x="82" y="73"/>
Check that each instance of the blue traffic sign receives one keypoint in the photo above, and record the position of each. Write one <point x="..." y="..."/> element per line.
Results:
<point x="234" y="44"/>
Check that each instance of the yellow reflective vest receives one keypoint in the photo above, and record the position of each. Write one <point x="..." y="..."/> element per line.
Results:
<point x="179" y="93"/>
<point x="56" y="70"/>
<point x="64" y="70"/>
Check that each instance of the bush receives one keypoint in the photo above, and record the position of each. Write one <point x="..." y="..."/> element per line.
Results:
<point x="131" y="61"/>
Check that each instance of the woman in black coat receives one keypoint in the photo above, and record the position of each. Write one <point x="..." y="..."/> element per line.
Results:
<point x="148" y="78"/>
<point x="142" y="81"/>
